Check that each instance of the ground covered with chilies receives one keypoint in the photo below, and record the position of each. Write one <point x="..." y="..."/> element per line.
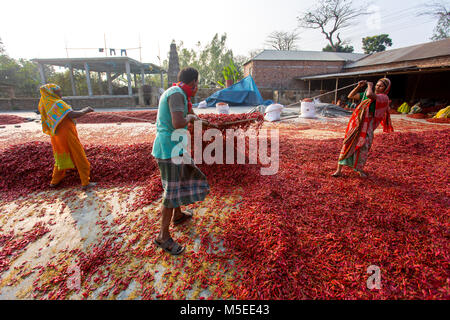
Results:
<point x="299" y="234"/>
<point x="11" y="119"/>
<point x="119" y="116"/>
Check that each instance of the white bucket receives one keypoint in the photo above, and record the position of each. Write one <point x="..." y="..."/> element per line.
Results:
<point x="273" y="112"/>
<point x="222" y="108"/>
<point x="307" y="110"/>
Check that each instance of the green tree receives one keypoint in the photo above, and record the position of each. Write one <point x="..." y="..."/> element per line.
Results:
<point x="376" y="43"/>
<point x="338" y="48"/>
<point x="22" y="74"/>
<point x="28" y="78"/>
<point x="209" y="60"/>
<point x="213" y="58"/>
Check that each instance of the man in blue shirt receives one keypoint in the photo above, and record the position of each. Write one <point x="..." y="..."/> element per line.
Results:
<point x="183" y="183"/>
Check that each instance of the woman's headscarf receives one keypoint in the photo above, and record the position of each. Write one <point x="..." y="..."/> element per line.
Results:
<point x="52" y="109"/>
<point x="386" y="121"/>
<point x="387" y="85"/>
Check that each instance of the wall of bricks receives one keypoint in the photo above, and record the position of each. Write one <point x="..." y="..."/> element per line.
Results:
<point x="19" y="104"/>
<point x="31" y="104"/>
<point x="282" y="74"/>
<point x="204" y="93"/>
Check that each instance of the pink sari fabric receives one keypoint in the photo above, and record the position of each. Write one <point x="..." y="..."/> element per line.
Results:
<point x="358" y="126"/>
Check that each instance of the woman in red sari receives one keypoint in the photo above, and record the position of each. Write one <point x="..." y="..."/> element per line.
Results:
<point x="370" y="113"/>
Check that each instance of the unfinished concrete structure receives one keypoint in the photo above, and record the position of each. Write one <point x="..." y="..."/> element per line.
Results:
<point x="7" y="90"/>
<point x="113" y="67"/>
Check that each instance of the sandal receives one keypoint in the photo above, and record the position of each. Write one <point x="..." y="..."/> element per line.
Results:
<point x="362" y="174"/>
<point x="90" y="185"/>
<point x="184" y="218"/>
<point x="336" y="175"/>
<point x="175" y="250"/>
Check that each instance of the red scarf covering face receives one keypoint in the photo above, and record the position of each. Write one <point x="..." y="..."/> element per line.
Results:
<point x="356" y="132"/>
<point x="189" y="91"/>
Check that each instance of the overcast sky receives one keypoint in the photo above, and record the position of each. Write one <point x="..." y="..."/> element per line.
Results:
<point x="41" y="29"/>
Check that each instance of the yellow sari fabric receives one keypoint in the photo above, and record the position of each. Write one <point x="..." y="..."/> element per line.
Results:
<point x="68" y="152"/>
<point x="53" y="111"/>
<point x="67" y="148"/>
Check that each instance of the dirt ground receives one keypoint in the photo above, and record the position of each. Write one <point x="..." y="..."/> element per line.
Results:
<point x="76" y="221"/>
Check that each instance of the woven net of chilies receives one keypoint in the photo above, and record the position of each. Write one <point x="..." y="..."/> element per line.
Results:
<point x="224" y="125"/>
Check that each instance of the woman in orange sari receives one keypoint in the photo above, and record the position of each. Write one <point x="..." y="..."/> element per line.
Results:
<point x="370" y="113"/>
<point x="56" y="117"/>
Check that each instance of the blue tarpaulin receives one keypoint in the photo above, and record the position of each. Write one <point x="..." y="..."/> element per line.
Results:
<point x="242" y="93"/>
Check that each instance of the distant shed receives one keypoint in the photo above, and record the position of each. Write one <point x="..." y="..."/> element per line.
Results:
<point x="417" y="72"/>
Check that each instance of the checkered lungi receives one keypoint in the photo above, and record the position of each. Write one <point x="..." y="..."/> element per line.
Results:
<point x="183" y="183"/>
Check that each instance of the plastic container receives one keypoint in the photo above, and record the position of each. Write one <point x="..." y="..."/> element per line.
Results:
<point x="307" y="109"/>
<point x="202" y="105"/>
<point x="273" y="112"/>
<point x="222" y="108"/>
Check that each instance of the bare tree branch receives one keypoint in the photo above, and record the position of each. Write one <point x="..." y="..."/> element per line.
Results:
<point x="441" y="12"/>
<point x="331" y="16"/>
<point x="283" y="40"/>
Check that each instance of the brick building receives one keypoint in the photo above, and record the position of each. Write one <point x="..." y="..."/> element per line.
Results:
<point x="279" y="70"/>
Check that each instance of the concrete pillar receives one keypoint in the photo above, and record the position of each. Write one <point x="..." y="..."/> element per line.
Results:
<point x="100" y="82"/>
<point x="11" y="93"/>
<point x="141" y="96"/>
<point x="72" y="81"/>
<point x="143" y="76"/>
<point x="88" y="79"/>
<point x="108" y="79"/>
<point x="128" y="70"/>
<point x="42" y="73"/>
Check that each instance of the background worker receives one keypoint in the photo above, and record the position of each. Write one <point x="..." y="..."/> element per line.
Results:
<point x="56" y="118"/>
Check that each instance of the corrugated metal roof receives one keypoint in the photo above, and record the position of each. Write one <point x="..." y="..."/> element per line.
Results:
<point x="417" y="52"/>
<point x="306" y="56"/>
<point x="355" y="73"/>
